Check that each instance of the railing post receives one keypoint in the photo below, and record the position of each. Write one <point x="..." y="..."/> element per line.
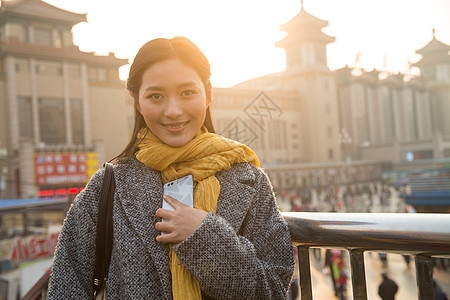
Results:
<point x="424" y="277"/>
<point x="358" y="274"/>
<point x="304" y="272"/>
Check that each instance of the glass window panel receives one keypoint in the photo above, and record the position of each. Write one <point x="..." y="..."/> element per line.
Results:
<point x="102" y="74"/>
<point x="25" y="117"/>
<point x="77" y="121"/>
<point x="74" y="71"/>
<point x="49" y="68"/>
<point x="52" y="121"/>
<point x="22" y="66"/>
<point x="42" y="36"/>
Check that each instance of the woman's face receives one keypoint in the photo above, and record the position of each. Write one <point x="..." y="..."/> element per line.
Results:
<point x="173" y="102"/>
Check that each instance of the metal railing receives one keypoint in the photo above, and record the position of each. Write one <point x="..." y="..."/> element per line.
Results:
<point x="420" y="235"/>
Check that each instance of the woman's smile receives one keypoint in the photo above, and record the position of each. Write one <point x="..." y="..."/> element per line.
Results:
<point x="176" y="127"/>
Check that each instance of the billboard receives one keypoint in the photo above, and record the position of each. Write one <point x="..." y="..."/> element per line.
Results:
<point x="64" y="168"/>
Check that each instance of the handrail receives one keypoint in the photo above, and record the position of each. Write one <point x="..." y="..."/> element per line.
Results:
<point x="421" y="235"/>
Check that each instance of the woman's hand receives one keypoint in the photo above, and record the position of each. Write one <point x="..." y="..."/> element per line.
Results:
<point x="183" y="221"/>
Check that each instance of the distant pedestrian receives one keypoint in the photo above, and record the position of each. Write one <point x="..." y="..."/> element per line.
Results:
<point x="328" y="256"/>
<point x="407" y="259"/>
<point x="387" y="288"/>
<point x="383" y="259"/>
<point x="438" y="293"/>
<point x="339" y="275"/>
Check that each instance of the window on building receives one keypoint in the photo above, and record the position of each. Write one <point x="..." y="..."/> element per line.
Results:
<point x="330" y="131"/>
<point x="330" y="154"/>
<point x="92" y="74"/>
<point x="77" y="121"/>
<point x="442" y="72"/>
<point x="308" y="54"/>
<point x="102" y="74"/>
<point x="22" y="66"/>
<point x="24" y="36"/>
<point x="25" y="117"/>
<point x="52" y="123"/>
<point x="277" y="134"/>
<point x="48" y="68"/>
<point x="113" y="74"/>
<point x="42" y="36"/>
<point x="73" y="70"/>
<point x="57" y="38"/>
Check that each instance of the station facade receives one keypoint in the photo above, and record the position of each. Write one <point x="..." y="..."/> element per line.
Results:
<point x="63" y="112"/>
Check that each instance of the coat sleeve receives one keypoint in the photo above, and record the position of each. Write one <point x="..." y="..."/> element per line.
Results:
<point x="254" y="263"/>
<point x="73" y="264"/>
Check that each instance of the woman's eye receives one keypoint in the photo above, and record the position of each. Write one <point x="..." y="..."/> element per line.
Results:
<point x="188" y="93"/>
<point x="155" y="96"/>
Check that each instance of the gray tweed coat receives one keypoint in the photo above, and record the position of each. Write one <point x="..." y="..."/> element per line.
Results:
<point x="243" y="251"/>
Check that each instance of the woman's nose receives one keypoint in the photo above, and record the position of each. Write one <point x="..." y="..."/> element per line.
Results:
<point x="173" y="108"/>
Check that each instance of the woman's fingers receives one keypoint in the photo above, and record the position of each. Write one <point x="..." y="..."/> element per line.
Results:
<point x="164" y="213"/>
<point x="164" y="238"/>
<point x="173" y="202"/>
<point x="163" y="226"/>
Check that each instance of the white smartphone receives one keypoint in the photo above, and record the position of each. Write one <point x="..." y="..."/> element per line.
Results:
<point x="181" y="189"/>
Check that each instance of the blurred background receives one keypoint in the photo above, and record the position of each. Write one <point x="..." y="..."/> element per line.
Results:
<point x="346" y="104"/>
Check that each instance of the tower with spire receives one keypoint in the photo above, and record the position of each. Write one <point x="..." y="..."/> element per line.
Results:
<point x="305" y="43"/>
<point x="435" y="72"/>
<point x="308" y="74"/>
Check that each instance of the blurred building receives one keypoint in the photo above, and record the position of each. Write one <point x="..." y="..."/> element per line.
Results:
<point x="299" y="117"/>
<point x="322" y="116"/>
<point x="365" y="115"/>
<point x="397" y="116"/>
<point x="61" y="109"/>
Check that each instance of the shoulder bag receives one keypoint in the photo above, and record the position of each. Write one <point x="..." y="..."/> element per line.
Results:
<point x="104" y="233"/>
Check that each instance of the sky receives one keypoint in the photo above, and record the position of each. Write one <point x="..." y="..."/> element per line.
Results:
<point x="238" y="36"/>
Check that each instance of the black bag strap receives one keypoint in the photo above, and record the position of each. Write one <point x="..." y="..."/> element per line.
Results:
<point x="104" y="229"/>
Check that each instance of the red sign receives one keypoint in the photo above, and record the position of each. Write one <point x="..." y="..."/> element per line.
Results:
<point x="64" y="168"/>
<point x="34" y="247"/>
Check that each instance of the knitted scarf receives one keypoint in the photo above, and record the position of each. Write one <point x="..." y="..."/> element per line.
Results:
<point x="203" y="157"/>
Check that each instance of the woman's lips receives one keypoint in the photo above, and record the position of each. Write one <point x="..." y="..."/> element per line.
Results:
<point x="175" y="127"/>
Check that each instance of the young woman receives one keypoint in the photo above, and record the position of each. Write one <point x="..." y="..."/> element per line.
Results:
<point x="233" y="244"/>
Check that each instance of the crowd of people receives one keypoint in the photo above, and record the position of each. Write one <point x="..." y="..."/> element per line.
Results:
<point x="363" y="197"/>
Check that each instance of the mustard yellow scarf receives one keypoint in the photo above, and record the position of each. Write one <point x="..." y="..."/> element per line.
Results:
<point x="203" y="157"/>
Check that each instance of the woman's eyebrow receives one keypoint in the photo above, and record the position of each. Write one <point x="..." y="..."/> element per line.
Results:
<point x="154" y="88"/>
<point x="188" y="83"/>
<point x="181" y="85"/>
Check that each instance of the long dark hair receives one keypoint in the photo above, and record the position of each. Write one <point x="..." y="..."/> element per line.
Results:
<point x="156" y="51"/>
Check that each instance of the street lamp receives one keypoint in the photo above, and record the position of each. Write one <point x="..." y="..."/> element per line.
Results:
<point x="345" y="140"/>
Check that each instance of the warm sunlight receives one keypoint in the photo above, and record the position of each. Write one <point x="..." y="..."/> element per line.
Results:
<point x="238" y="36"/>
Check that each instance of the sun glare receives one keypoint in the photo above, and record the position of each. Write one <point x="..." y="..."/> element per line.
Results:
<point x="238" y="36"/>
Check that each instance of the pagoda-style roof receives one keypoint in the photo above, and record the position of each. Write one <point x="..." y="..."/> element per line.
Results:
<point x="304" y="27"/>
<point x="301" y="19"/>
<point x="433" y="52"/>
<point x="434" y="46"/>
<point x="38" y="9"/>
